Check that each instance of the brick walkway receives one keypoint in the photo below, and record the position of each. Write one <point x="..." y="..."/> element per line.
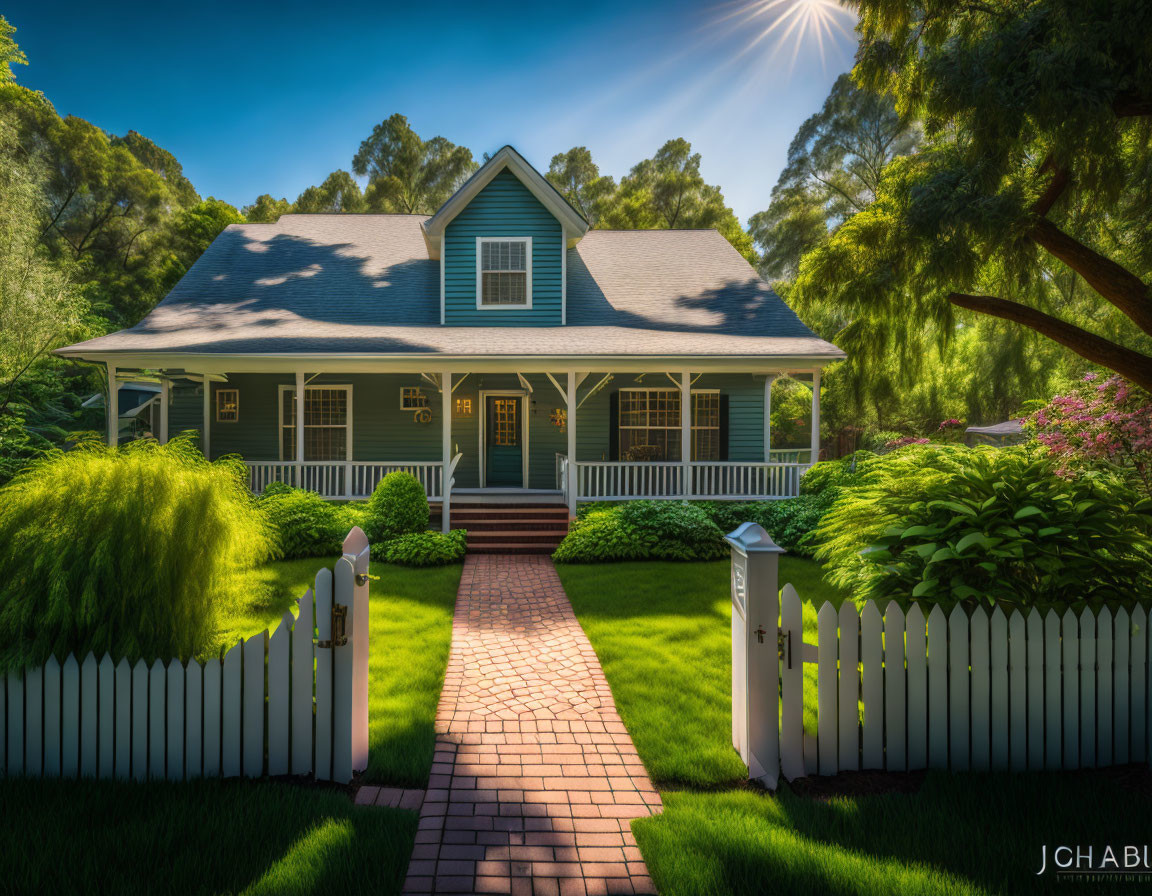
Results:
<point x="535" y="781"/>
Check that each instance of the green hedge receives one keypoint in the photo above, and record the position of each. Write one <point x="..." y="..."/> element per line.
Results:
<point x="424" y="548"/>
<point x="134" y="551"/>
<point x="948" y="523"/>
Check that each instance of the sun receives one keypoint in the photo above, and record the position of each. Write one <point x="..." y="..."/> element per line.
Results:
<point x="792" y="23"/>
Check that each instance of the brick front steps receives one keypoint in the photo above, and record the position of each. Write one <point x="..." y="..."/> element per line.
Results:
<point x="512" y="528"/>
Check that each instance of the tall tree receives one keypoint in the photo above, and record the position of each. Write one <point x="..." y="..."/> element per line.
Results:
<point x="833" y="172"/>
<point x="10" y="53"/>
<point x="338" y="193"/>
<point x="1038" y="124"/>
<point x="266" y="209"/>
<point x="668" y="191"/>
<point x="578" y="179"/>
<point x="406" y="173"/>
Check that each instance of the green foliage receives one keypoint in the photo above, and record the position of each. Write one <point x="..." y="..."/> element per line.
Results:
<point x="425" y="548"/>
<point x="338" y="193"/>
<point x="831" y="477"/>
<point x="10" y="54"/>
<point x="266" y="209"/>
<point x="640" y="530"/>
<point x="306" y="525"/>
<point x="133" y="551"/>
<point x="578" y="179"/>
<point x="947" y="523"/>
<point x="397" y="507"/>
<point x="790" y="521"/>
<point x="407" y="174"/>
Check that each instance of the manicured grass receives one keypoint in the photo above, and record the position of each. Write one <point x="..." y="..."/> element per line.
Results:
<point x="197" y="838"/>
<point x="410" y="611"/>
<point x="959" y="834"/>
<point x="662" y="632"/>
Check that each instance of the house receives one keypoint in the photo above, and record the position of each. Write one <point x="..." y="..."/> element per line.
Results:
<point x="498" y="346"/>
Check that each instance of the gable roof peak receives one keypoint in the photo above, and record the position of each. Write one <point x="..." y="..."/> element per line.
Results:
<point x="505" y="158"/>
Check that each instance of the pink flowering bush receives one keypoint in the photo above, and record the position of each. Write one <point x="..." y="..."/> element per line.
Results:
<point x="903" y="442"/>
<point x="950" y="430"/>
<point x="1102" y="422"/>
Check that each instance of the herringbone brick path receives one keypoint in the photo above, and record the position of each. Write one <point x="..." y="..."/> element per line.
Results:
<point x="535" y="780"/>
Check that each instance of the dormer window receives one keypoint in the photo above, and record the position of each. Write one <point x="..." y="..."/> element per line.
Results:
<point x="504" y="272"/>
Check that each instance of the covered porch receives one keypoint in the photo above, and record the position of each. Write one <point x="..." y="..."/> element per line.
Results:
<point x="571" y="435"/>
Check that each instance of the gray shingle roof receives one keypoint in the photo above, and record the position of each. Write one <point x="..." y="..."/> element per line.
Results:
<point x="363" y="284"/>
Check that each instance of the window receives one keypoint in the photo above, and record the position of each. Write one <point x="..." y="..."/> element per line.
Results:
<point x="412" y="398"/>
<point x="650" y="425"/>
<point x="463" y="407"/>
<point x="327" y="422"/>
<point x="227" y="405"/>
<point x="504" y="273"/>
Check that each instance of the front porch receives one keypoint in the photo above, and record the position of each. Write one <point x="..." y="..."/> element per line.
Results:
<point x="476" y="435"/>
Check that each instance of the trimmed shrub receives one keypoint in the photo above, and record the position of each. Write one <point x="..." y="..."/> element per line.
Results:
<point x="947" y="523"/>
<point x="133" y="551"/>
<point x="306" y="525"/>
<point x="639" y="530"/>
<point x="425" y="548"/>
<point x="397" y="507"/>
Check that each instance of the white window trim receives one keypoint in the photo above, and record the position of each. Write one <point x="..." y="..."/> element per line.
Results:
<point x="694" y="426"/>
<point x="280" y="419"/>
<point x="480" y="241"/>
<point x="423" y="394"/>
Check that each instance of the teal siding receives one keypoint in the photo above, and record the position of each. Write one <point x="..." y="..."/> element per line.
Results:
<point x="504" y="208"/>
<point x="381" y="431"/>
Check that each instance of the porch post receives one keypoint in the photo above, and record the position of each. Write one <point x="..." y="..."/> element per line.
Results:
<point x="299" y="428"/>
<point x="686" y="431"/>
<point x="815" y="417"/>
<point x="768" y="417"/>
<point x="165" y="398"/>
<point x="446" y="452"/>
<point x="573" y="479"/>
<point x="112" y="405"/>
<point x="206" y="442"/>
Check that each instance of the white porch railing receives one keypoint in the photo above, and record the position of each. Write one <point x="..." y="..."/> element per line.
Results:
<point x="723" y="480"/>
<point x="790" y="456"/>
<point x="344" y="479"/>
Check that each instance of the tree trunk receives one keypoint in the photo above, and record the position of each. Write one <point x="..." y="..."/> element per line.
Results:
<point x="1129" y="364"/>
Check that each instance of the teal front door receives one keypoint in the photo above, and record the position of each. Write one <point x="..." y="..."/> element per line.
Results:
<point x="503" y="442"/>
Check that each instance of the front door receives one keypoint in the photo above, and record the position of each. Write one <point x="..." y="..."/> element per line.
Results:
<point x="503" y="442"/>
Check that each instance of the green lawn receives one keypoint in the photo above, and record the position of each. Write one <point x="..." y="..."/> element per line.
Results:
<point x="410" y="611"/>
<point x="662" y="633"/>
<point x="200" y="838"/>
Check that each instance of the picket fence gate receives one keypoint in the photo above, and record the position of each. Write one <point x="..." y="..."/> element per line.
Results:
<point x="901" y="692"/>
<point x="291" y="702"/>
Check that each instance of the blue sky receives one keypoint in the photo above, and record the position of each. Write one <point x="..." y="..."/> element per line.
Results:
<point x="269" y="98"/>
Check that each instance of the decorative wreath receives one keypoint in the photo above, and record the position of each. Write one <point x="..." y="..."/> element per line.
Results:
<point x="422" y="415"/>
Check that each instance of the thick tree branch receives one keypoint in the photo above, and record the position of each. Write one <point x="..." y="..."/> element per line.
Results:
<point x="1129" y="364"/>
<point x="1055" y="189"/>
<point x="1113" y="281"/>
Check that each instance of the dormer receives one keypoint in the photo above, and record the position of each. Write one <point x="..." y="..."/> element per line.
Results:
<point x="502" y="241"/>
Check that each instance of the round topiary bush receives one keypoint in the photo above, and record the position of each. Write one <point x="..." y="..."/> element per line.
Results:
<point x="397" y="507"/>
<point x="133" y="551"/>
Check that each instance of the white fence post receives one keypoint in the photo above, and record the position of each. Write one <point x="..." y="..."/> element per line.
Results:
<point x="356" y="549"/>
<point x="755" y="656"/>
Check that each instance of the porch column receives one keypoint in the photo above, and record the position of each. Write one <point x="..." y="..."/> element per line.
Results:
<point x="815" y="417"/>
<point x="206" y="442"/>
<point x="446" y="452"/>
<point x="573" y="479"/>
<point x="686" y="431"/>
<point x="165" y="398"/>
<point x="112" y="405"/>
<point x="768" y="417"/>
<point x="299" y="428"/>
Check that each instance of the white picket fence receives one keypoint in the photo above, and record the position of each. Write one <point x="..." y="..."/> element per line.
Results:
<point x="973" y="690"/>
<point x="291" y="702"/>
<point x="966" y="691"/>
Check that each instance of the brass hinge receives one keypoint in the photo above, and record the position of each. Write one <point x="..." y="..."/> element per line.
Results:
<point x="339" y="621"/>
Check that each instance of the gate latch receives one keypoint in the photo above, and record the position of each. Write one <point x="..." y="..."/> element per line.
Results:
<point x="339" y="621"/>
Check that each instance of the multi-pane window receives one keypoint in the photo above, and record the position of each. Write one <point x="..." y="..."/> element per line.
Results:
<point x="505" y="429"/>
<point x="650" y="425"/>
<point x="412" y="398"/>
<point x="326" y="422"/>
<point x="227" y="405"/>
<point x="504" y="272"/>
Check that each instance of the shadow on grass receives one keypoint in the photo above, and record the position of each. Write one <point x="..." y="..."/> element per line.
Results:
<point x="978" y="834"/>
<point x="197" y="838"/>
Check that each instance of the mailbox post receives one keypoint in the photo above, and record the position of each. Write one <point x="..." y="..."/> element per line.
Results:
<point x="755" y="651"/>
